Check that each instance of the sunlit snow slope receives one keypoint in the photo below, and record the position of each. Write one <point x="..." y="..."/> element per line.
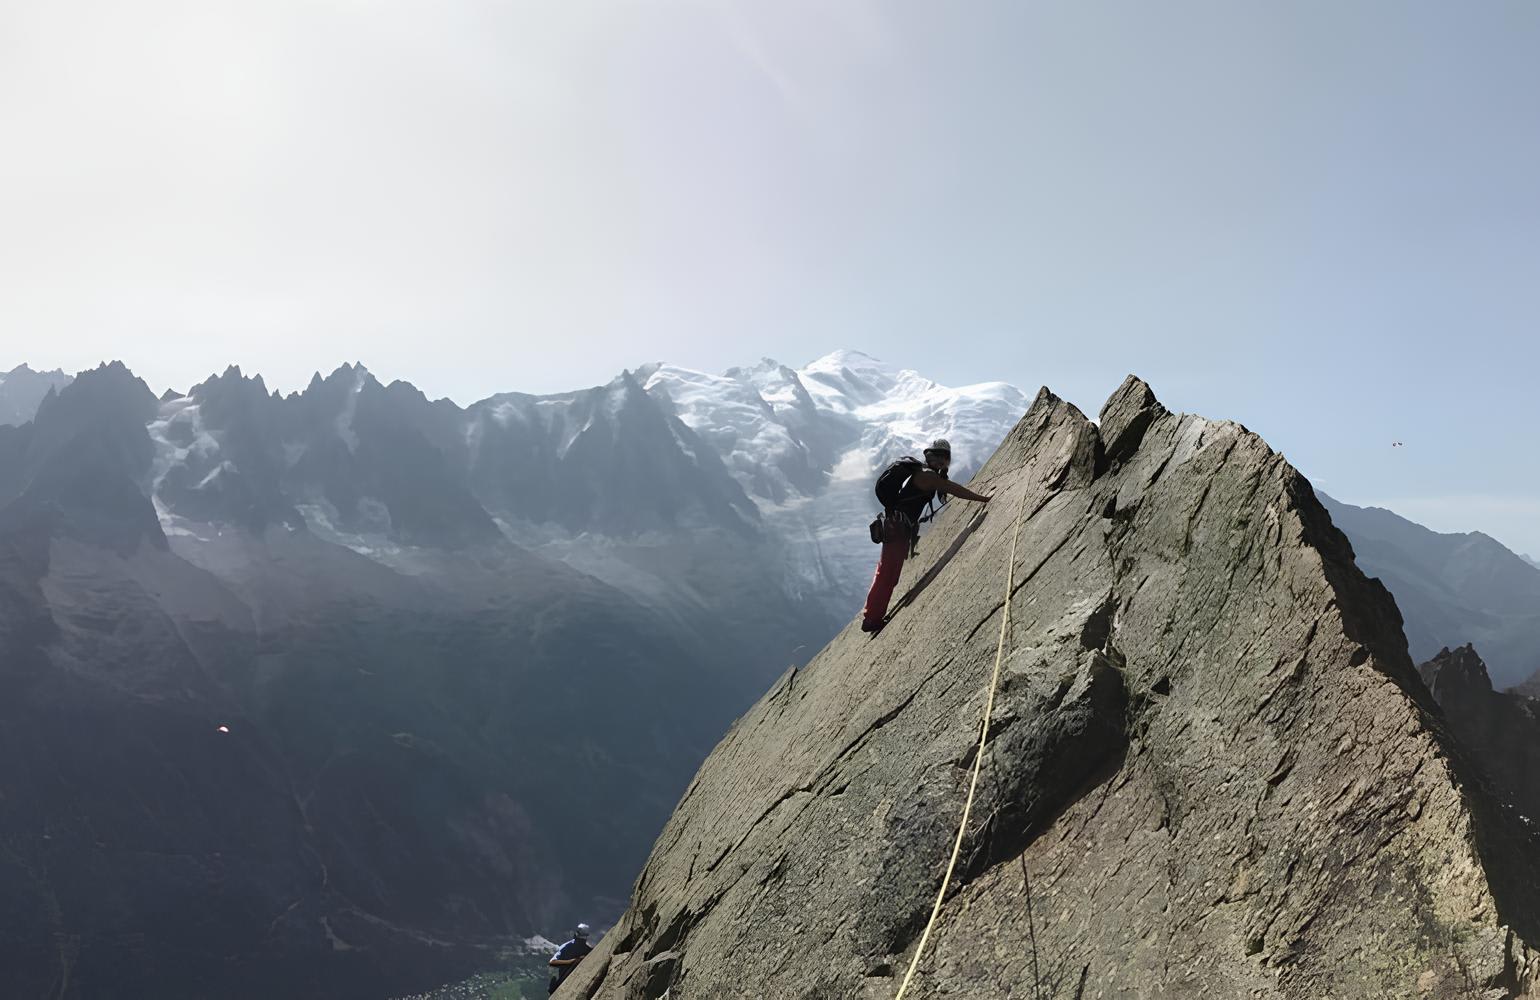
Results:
<point x="806" y="444"/>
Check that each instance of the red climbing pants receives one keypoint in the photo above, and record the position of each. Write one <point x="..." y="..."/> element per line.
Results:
<point x="895" y="549"/>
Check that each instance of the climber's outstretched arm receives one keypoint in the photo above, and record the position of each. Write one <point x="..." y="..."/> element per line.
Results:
<point x="958" y="490"/>
<point x="932" y="481"/>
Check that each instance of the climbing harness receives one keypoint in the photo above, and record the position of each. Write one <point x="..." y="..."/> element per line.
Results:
<point x="978" y="758"/>
<point x="896" y="522"/>
<point x="890" y="490"/>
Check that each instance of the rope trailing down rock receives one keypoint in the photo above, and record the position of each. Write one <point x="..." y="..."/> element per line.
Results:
<point x="978" y="758"/>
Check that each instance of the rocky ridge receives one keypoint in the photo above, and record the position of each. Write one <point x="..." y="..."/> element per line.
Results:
<point x="1213" y="768"/>
<point x="1500" y="729"/>
<point x="1452" y="589"/>
<point x="23" y="390"/>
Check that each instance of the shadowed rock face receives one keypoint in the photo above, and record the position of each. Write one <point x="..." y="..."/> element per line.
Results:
<point x="1501" y="730"/>
<point x="1210" y="753"/>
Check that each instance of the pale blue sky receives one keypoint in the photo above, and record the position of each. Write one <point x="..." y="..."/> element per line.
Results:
<point x="1321" y="219"/>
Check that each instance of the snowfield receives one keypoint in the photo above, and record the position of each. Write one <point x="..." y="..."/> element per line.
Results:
<point x="806" y="445"/>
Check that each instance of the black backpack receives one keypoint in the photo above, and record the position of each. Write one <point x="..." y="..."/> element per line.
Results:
<point x="891" y="483"/>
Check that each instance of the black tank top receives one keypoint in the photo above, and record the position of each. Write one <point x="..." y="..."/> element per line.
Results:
<point x="912" y="500"/>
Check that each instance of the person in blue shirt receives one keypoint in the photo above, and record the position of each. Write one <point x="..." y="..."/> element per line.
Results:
<point x="569" y="955"/>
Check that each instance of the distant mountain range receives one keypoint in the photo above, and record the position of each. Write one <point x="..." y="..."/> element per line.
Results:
<point x="240" y="759"/>
<point x="467" y="657"/>
<point x="22" y="391"/>
<point x="764" y="451"/>
<point x="1452" y="589"/>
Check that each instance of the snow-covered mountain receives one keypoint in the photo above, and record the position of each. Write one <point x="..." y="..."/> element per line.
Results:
<point x="1531" y="560"/>
<point x="806" y="444"/>
<point x="22" y="391"/>
<point x="790" y="433"/>
<point x="606" y="460"/>
<point x="666" y="482"/>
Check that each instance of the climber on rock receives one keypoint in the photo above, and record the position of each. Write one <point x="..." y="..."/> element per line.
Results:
<point x="905" y="489"/>
<point x="569" y="955"/>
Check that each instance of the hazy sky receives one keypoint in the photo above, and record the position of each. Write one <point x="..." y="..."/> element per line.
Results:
<point x="1321" y="219"/>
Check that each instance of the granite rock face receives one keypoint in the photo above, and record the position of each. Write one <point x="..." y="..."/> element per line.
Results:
<point x="1212" y="762"/>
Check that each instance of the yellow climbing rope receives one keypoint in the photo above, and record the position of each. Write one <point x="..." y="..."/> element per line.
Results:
<point x="978" y="759"/>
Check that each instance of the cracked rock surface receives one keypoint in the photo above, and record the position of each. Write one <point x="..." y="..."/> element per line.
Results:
<point x="1211" y="760"/>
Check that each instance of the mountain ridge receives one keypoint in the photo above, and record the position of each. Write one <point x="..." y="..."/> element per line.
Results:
<point x="1259" y="802"/>
<point x="762" y="464"/>
<point x="240" y="760"/>
<point x="1500" y="729"/>
<point x="1453" y="589"/>
<point x="22" y="391"/>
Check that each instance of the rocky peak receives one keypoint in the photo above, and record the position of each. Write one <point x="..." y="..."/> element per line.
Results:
<point x="1498" y="730"/>
<point x="614" y="459"/>
<point x="1458" y="671"/>
<point x="331" y="393"/>
<point x="763" y="451"/>
<point x="628" y="382"/>
<point x="109" y="390"/>
<point x="232" y="396"/>
<point x="24" y="369"/>
<point x="22" y="390"/>
<point x="79" y="467"/>
<point x="1211" y="767"/>
<point x="844" y="377"/>
<point x="1126" y="416"/>
<point x="231" y="376"/>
